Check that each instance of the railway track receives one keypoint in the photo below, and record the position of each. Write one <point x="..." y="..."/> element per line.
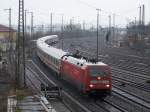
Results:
<point x="132" y="97"/>
<point x="132" y="79"/>
<point x="132" y="86"/>
<point x="72" y="104"/>
<point x="136" y="65"/>
<point x="132" y="63"/>
<point x="95" y="107"/>
<point x="135" y="75"/>
<point x="135" y="98"/>
<point x="36" y="82"/>
<point x="110" y="106"/>
<point x="127" y="67"/>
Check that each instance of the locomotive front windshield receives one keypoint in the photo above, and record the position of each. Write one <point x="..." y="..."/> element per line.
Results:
<point x="97" y="71"/>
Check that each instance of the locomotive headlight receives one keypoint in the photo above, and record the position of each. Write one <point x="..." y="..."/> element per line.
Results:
<point x="98" y="78"/>
<point x="107" y="85"/>
<point x="91" y="85"/>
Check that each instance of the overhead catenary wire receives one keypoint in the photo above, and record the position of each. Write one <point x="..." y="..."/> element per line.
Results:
<point x="106" y="12"/>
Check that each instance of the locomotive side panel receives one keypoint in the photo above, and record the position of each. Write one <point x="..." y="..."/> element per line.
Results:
<point x="73" y="75"/>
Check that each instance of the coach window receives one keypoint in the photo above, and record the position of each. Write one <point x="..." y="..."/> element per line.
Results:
<point x="56" y="62"/>
<point x="46" y="55"/>
<point x="51" y="58"/>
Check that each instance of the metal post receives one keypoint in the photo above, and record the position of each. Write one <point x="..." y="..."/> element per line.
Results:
<point x="51" y="20"/>
<point x="25" y="21"/>
<point x="114" y="17"/>
<point x="9" y="25"/>
<point x="109" y="21"/>
<point x="31" y="29"/>
<point x="62" y="29"/>
<point x="70" y="24"/>
<point x="23" y="46"/>
<point x="97" y="32"/>
<point x="31" y="25"/>
<point x="143" y="14"/>
<point x="20" y="47"/>
<point x="140" y="15"/>
<point x="83" y="25"/>
<point x="135" y="21"/>
<point x="83" y="28"/>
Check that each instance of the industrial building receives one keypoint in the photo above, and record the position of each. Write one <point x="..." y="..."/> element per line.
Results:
<point x="7" y="38"/>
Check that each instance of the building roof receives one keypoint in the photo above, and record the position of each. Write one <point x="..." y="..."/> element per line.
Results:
<point x="5" y="28"/>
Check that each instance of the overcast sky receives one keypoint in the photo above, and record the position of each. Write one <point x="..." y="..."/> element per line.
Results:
<point x="79" y="10"/>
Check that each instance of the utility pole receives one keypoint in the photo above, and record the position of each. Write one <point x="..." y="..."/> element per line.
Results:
<point x="9" y="26"/>
<point x="62" y="29"/>
<point x="20" y="47"/>
<point x="32" y="25"/>
<point x="31" y="32"/>
<point x="97" y="32"/>
<point x="31" y="29"/>
<point x="139" y="15"/>
<point x="10" y="53"/>
<point x="143" y="14"/>
<point x="51" y="23"/>
<point x="109" y="23"/>
<point x="114" y="17"/>
<point x="83" y="29"/>
<point x="71" y="24"/>
<point x="25" y="21"/>
<point x="135" y="21"/>
<point x="83" y="25"/>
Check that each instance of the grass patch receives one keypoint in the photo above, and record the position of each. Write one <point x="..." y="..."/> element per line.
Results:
<point x="18" y="109"/>
<point x="20" y="94"/>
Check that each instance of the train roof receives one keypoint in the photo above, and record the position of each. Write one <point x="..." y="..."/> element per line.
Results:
<point x="82" y="62"/>
<point x="57" y="53"/>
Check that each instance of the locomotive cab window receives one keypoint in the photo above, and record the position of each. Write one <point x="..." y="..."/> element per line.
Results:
<point x="97" y="71"/>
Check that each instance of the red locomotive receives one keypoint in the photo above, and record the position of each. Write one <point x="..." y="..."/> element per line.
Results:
<point x="87" y="77"/>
